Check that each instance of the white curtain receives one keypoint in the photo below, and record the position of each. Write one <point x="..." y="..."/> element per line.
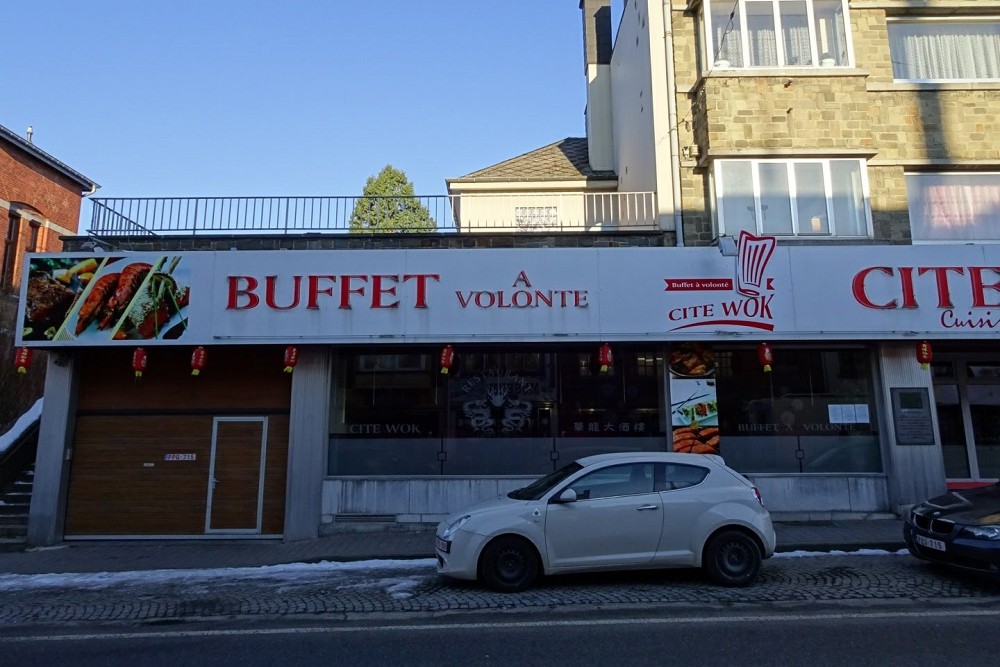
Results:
<point x="946" y="50"/>
<point x="954" y="211"/>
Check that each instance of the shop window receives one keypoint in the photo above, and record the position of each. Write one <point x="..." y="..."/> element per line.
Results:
<point x="945" y="49"/>
<point x="777" y="33"/>
<point x="958" y="207"/>
<point x="804" y="198"/>
<point x="386" y="416"/>
<point x="984" y="408"/>
<point x="952" y="431"/>
<point x="813" y="413"/>
<point x="497" y="412"/>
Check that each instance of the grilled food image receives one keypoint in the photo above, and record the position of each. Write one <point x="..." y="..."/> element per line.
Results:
<point x="153" y="307"/>
<point x="128" y="284"/>
<point x="692" y="359"/>
<point x="48" y="300"/>
<point x="697" y="440"/>
<point x="96" y="300"/>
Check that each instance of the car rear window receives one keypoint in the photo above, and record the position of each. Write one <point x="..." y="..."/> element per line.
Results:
<point x="681" y="476"/>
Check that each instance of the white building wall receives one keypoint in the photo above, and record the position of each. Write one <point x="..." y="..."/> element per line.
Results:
<point x="632" y="102"/>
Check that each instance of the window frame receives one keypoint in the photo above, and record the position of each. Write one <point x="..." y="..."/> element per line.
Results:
<point x="718" y="192"/>
<point x="712" y="50"/>
<point x="908" y="174"/>
<point x="10" y="249"/>
<point x="937" y="20"/>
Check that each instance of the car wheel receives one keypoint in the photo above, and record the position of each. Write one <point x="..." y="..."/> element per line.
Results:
<point x="732" y="558"/>
<point x="509" y="564"/>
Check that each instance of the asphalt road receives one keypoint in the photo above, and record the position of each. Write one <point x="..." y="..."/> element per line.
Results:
<point x="859" y="636"/>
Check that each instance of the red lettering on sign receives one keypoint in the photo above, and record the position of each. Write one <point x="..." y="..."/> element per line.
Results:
<point x="908" y="277"/>
<point x="242" y="286"/>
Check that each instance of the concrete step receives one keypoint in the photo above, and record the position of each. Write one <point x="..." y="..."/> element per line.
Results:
<point x="13" y="530"/>
<point x="21" y="503"/>
<point x="11" y="544"/>
<point x="14" y="513"/>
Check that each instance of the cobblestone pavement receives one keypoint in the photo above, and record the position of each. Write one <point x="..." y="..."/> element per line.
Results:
<point x="394" y="586"/>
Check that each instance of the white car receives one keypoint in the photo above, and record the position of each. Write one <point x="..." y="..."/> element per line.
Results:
<point x="643" y="510"/>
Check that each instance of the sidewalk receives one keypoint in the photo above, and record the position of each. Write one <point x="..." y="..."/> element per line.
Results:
<point x="131" y="555"/>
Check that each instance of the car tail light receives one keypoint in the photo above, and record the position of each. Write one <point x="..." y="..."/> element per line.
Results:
<point x="756" y="494"/>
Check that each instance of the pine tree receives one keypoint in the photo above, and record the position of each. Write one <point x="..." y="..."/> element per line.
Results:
<point x="388" y="204"/>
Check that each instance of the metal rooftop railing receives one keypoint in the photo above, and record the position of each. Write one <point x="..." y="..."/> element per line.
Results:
<point x="469" y="213"/>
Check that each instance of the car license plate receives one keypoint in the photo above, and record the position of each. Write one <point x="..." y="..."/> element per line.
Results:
<point x="443" y="546"/>
<point x="937" y="545"/>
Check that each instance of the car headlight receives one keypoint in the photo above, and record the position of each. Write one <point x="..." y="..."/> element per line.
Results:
<point x="983" y="532"/>
<point x="454" y="526"/>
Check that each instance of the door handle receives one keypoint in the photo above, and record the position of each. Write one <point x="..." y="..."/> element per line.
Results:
<point x="642" y="508"/>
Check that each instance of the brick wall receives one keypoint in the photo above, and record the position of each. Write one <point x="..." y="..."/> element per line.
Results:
<point x="56" y="198"/>
<point x="25" y="179"/>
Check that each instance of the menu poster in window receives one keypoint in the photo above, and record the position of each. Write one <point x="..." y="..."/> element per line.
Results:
<point x="911" y="416"/>
<point x="694" y="413"/>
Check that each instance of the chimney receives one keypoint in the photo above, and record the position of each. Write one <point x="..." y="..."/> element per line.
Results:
<point x="597" y="64"/>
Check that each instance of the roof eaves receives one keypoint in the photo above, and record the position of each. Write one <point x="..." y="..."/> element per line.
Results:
<point x="596" y="176"/>
<point x="52" y="162"/>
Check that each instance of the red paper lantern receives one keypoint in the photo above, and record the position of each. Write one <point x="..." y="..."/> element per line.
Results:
<point x="198" y="359"/>
<point x="765" y="356"/>
<point x="925" y="354"/>
<point x="605" y="358"/>
<point x="291" y="358"/>
<point x="139" y="361"/>
<point x="22" y="359"/>
<point x="447" y="359"/>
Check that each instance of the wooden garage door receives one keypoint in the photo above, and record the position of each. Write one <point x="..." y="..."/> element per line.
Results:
<point x="149" y="475"/>
<point x="142" y="449"/>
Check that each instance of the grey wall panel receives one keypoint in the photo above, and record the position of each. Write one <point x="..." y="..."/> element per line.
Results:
<point x="916" y="472"/>
<point x="51" y="481"/>
<point x="307" y="442"/>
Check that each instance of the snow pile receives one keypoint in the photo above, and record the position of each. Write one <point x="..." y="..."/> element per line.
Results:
<point x="20" y="426"/>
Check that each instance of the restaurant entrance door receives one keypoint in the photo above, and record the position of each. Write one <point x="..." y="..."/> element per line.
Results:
<point x="967" y="393"/>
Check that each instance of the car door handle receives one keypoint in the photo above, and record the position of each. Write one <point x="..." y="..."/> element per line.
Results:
<point x="642" y="508"/>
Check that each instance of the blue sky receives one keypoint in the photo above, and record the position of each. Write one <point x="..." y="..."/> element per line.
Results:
<point x="293" y="97"/>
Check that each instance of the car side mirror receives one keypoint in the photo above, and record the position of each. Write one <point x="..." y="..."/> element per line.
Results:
<point x="567" y="496"/>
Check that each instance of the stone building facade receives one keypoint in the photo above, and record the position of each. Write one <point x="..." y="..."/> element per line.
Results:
<point x="861" y="109"/>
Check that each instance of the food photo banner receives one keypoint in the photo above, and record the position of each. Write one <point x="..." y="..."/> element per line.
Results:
<point x="457" y="296"/>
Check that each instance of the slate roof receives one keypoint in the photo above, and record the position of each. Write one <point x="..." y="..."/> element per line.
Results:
<point x="563" y="160"/>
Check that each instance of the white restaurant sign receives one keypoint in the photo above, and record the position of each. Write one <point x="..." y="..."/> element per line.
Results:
<point x="605" y="294"/>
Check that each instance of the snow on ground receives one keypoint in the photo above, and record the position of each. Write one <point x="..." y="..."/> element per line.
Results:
<point x="20" y="426"/>
<point x="859" y="552"/>
<point x="411" y="572"/>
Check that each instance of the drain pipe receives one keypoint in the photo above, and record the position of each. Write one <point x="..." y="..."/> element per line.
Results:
<point x="675" y="159"/>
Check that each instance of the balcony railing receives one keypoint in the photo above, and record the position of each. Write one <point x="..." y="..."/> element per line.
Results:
<point x="469" y="213"/>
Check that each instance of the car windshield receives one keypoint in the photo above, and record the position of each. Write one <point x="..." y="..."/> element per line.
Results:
<point x="540" y="487"/>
